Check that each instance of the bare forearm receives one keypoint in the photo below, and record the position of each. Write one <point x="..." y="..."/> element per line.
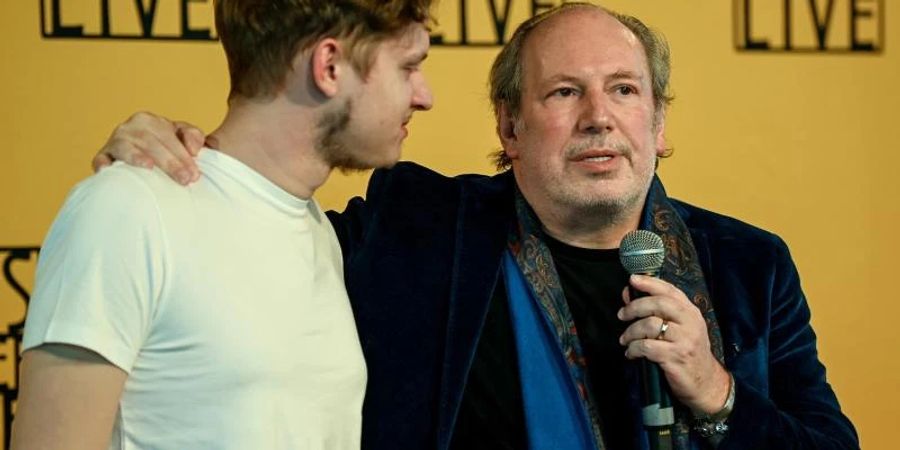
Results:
<point x="68" y="399"/>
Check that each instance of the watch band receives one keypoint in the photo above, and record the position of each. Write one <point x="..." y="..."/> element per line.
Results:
<point x="709" y="425"/>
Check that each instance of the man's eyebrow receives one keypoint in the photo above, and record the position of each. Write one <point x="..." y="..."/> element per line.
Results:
<point x="563" y="77"/>
<point x="625" y="75"/>
<point x="615" y="76"/>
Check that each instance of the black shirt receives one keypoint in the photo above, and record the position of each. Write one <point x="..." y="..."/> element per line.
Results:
<point x="491" y="414"/>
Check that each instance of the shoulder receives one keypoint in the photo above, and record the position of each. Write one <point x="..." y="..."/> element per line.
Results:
<point x="409" y="193"/>
<point x="409" y="174"/>
<point x="117" y="192"/>
<point x="720" y="227"/>
<point x="125" y="186"/>
<point x="734" y="249"/>
<point x="412" y="178"/>
<point x="119" y="202"/>
<point x="101" y="266"/>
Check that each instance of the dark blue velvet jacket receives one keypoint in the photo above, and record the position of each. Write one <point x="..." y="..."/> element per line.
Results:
<point x="422" y="257"/>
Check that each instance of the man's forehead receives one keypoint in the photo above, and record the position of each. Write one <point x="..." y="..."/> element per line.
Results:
<point x="586" y="38"/>
<point x="413" y="39"/>
<point x="581" y="26"/>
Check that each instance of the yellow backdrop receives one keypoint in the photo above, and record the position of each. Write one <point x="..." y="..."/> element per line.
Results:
<point x="798" y="141"/>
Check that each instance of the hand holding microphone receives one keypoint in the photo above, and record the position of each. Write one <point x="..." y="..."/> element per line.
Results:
<point x="668" y="330"/>
<point x="642" y="252"/>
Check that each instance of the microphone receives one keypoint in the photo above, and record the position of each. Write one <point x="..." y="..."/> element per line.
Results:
<point x="642" y="252"/>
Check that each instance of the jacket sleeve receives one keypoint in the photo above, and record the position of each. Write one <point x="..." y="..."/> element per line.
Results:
<point x="352" y="224"/>
<point x="796" y="408"/>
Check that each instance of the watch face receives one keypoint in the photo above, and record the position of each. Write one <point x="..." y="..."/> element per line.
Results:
<point x="708" y="429"/>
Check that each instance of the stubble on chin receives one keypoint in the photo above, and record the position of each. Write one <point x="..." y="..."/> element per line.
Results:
<point x="599" y="211"/>
<point x="331" y="143"/>
<point x="596" y="202"/>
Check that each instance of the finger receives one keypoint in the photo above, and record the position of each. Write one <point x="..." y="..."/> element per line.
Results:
<point x="168" y="153"/>
<point x="652" y="349"/>
<point x="649" y="328"/>
<point x="130" y="137"/>
<point x="654" y="286"/>
<point x="662" y="307"/>
<point x="120" y="148"/>
<point x="146" y="135"/>
<point x="193" y="141"/>
<point x="186" y="170"/>
<point x="100" y="161"/>
<point x="190" y="136"/>
<point x="626" y="295"/>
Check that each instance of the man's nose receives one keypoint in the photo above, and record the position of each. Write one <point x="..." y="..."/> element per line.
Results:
<point x="422" y="99"/>
<point x="595" y="117"/>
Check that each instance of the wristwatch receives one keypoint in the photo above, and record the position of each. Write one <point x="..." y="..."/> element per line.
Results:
<point x="712" y="425"/>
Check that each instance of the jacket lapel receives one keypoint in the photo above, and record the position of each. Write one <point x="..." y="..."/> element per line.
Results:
<point x="483" y="220"/>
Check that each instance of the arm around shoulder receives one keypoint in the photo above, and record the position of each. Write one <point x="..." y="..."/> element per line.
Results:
<point x="148" y="140"/>
<point x="352" y="223"/>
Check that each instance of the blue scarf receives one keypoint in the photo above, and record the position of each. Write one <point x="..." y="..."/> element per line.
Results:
<point x="560" y="411"/>
<point x="554" y="416"/>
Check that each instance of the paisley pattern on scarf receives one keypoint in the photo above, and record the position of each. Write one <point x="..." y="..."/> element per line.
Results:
<point x="680" y="268"/>
<point x="534" y="260"/>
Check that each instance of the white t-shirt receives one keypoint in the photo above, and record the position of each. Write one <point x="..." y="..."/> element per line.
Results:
<point x="223" y="301"/>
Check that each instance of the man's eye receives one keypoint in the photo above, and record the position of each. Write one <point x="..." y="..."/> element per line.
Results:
<point x="565" y="92"/>
<point x="625" y="90"/>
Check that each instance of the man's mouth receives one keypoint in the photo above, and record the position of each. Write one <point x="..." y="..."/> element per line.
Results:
<point x="596" y="158"/>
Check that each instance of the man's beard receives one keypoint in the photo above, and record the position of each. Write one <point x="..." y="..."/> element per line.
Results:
<point x="600" y="211"/>
<point x="331" y="143"/>
<point x="605" y="210"/>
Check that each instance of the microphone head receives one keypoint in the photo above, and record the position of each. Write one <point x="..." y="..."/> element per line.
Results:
<point x="642" y="252"/>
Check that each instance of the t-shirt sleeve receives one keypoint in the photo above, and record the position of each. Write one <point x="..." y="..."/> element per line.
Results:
<point x="100" y="269"/>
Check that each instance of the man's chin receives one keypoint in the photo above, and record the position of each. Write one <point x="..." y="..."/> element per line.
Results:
<point x="610" y="200"/>
<point x="350" y="170"/>
<point x="359" y="165"/>
<point x="384" y="160"/>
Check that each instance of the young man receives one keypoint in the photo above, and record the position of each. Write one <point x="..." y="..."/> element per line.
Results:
<point x="216" y="317"/>
<point x="441" y="297"/>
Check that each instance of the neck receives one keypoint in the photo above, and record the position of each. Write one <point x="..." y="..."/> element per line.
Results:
<point x="593" y="227"/>
<point x="277" y="139"/>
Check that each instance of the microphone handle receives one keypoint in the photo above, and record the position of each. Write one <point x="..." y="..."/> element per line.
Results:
<point x="657" y="411"/>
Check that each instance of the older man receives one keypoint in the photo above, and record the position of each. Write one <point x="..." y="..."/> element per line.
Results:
<point x="216" y="317"/>
<point x="491" y="309"/>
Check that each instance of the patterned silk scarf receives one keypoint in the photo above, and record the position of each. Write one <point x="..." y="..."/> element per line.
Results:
<point x="681" y="268"/>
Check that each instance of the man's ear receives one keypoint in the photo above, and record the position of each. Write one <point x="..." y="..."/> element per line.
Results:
<point x="326" y="70"/>
<point x="660" y="126"/>
<point x="507" y="131"/>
